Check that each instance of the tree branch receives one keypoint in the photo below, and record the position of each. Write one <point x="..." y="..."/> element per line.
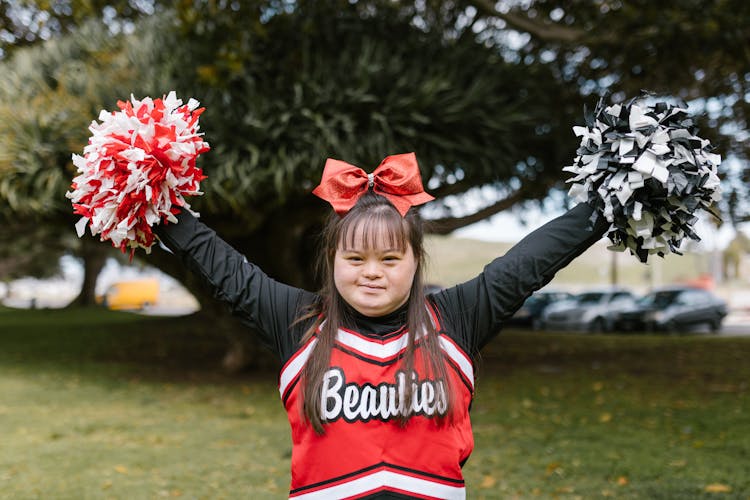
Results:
<point x="450" y="189"/>
<point x="450" y="224"/>
<point x="544" y="31"/>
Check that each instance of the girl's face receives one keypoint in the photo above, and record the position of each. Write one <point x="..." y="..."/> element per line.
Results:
<point x="374" y="279"/>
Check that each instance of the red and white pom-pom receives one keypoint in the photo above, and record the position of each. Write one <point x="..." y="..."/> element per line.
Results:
<point x="137" y="169"/>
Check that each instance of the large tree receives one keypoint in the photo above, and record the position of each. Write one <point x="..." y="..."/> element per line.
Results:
<point x="693" y="50"/>
<point x="484" y="93"/>
<point x="288" y="89"/>
<point x="28" y="22"/>
<point x="48" y="96"/>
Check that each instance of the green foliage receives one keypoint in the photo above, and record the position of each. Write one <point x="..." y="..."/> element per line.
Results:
<point x="484" y="96"/>
<point x="48" y="96"/>
<point x="32" y="249"/>
<point x="29" y="22"/>
<point x="283" y="94"/>
<point x="694" y="50"/>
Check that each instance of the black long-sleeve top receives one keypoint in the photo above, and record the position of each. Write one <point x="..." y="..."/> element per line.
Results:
<point x="471" y="312"/>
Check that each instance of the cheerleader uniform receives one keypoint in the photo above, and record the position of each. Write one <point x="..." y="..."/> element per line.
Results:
<point x="365" y="452"/>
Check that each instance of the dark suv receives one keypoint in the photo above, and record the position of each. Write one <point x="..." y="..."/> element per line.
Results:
<point x="674" y="309"/>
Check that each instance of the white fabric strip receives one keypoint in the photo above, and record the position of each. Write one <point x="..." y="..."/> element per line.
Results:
<point x="456" y="355"/>
<point x="374" y="349"/>
<point x="294" y="366"/>
<point x="392" y="348"/>
<point x="386" y="478"/>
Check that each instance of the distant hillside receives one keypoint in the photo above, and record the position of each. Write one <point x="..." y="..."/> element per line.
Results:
<point x="454" y="260"/>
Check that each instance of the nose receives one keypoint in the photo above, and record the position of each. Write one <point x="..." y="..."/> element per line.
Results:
<point x="371" y="270"/>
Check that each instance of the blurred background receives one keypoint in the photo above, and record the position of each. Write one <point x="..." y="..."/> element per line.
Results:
<point x="486" y="93"/>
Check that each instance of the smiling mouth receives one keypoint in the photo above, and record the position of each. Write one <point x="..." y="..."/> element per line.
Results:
<point x="372" y="287"/>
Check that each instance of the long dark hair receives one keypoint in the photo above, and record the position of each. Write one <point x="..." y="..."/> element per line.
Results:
<point x="375" y="218"/>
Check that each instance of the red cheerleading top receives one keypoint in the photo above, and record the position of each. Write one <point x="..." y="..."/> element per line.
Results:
<point x="365" y="452"/>
<point x="365" y="449"/>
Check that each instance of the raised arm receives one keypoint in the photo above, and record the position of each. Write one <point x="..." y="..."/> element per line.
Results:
<point x="265" y="305"/>
<point x="475" y="310"/>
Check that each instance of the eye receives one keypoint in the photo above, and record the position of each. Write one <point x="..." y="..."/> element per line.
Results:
<point x="392" y="258"/>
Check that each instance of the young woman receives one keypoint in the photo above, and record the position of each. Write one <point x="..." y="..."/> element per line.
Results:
<point x="377" y="378"/>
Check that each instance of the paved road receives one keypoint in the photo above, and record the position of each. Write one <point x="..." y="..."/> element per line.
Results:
<point x="737" y="323"/>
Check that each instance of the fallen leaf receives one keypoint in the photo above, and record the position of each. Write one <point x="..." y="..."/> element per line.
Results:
<point x="552" y="468"/>
<point x="488" y="482"/>
<point x="622" y="481"/>
<point x="717" y="488"/>
<point x="121" y="469"/>
<point x="597" y="386"/>
<point x="605" y="417"/>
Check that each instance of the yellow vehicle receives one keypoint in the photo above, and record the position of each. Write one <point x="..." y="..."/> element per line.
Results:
<point x="135" y="294"/>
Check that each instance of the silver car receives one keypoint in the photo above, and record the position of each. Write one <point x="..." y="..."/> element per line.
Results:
<point x="592" y="311"/>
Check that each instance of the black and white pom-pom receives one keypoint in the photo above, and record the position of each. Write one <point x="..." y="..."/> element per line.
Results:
<point x="643" y="166"/>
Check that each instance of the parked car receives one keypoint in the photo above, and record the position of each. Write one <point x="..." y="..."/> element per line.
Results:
<point x="592" y="311"/>
<point x="530" y="313"/>
<point x="674" y="309"/>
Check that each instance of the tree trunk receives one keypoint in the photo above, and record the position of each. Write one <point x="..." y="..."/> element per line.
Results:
<point x="242" y="347"/>
<point x="614" y="278"/>
<point x="94" y="255"/>
<point x="282" y="249"/>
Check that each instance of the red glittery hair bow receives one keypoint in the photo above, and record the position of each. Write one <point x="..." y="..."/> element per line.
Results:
<point x="397" y="178"/>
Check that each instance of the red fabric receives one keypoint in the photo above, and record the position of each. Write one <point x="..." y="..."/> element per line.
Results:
<point x="426" y="448"/>
<point x="397" y="178"/>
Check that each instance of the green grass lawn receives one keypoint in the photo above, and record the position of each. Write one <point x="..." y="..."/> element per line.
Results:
<point x="95" y="404"/>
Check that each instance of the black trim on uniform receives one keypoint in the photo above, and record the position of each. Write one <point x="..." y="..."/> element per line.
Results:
<point x="341" y="348"/>
<point x="289" y="388"/>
